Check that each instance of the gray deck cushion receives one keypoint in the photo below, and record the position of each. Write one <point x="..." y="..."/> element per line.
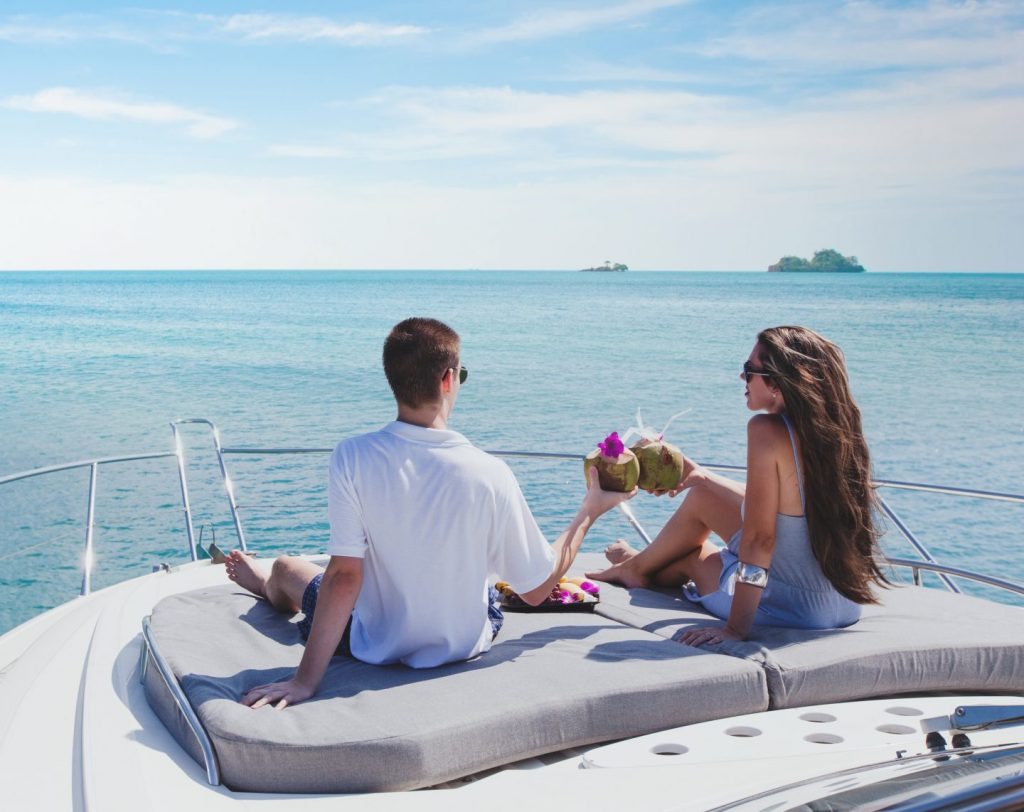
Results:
<point x="918" y="640"/>
<point x="551" y="681"/>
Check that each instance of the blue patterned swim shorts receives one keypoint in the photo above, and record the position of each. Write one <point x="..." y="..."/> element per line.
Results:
<point x="309" y="596"/>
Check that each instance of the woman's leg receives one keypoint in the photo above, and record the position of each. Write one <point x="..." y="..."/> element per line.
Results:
<point x="681" y="551"/>
<point x="288" y="579"/>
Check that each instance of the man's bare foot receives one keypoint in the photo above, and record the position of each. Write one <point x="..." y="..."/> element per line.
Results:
<point x="241" y="569"/>
<point x="622" y="574"/>
<point x="619" y="551"/>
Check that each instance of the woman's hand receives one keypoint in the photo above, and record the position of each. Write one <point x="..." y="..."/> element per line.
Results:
<point x="289" y="692"/>
<point x="708" y="634"/>
<point x="693" y="474"/>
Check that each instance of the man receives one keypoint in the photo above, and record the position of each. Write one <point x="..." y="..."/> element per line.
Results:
<point x="420" y="519"/>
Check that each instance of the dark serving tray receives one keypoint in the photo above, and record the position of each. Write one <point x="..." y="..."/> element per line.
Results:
<point x="552" y="606"/>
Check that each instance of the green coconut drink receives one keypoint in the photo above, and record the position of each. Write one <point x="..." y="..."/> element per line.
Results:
<point x="661" y="465"/>
<point x="617" y="467"/>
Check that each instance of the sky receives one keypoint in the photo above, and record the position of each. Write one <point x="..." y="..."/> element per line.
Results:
<point x="665" y="134"/>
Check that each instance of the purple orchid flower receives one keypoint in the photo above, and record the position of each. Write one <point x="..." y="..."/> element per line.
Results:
<point x="592" y="588"/>
<point x="612" y="446"/>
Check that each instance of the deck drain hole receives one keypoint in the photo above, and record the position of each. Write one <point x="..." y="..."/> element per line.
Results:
<point x="903" y="710"/>
<point x="743" y="732"/>
<point x="899" y="730"/>
<point x="818" y="717"/>
<point x="823" y="738"/>
<point x="670" y="749"/>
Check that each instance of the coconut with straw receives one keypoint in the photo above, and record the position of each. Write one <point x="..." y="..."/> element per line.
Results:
<point x="661" y="463"/>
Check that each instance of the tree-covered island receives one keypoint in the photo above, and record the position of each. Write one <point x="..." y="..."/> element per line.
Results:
<point x="608" y="266"/>
<point x="824" y="261"/>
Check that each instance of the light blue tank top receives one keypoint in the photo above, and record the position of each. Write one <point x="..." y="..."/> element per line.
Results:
<point x="798" y="594"/>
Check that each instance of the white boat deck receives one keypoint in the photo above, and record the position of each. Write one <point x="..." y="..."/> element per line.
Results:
<point x="77" y="733"/>
<point x="76" y="730"/>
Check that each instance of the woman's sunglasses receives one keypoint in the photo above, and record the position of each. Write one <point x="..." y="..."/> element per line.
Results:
<point x="749" y="371"/>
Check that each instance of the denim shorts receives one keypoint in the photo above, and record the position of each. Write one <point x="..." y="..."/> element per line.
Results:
<point x="312" y="592"/>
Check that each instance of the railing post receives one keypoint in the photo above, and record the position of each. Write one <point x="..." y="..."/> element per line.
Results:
<point x="909" y="536"/>
<point x="631" y="518"/>
<point x="90" y="523"/>
<point x="179" y="453"/>
<point x="229" y="486"/>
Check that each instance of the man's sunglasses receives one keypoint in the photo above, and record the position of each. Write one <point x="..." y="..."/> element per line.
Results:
<point x="749" y="371"/>
<point x="463" y="374"/>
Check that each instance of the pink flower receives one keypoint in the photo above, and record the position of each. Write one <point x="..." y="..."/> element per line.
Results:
<point x="612" y="446"/>
<point x="565" y="597"/>
<point x="592" y="588"/>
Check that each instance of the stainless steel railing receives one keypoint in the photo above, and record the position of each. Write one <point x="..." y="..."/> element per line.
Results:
<point x="926" y="564"/>
<point x="88" y="559"/>
<point x="229" y="487"/>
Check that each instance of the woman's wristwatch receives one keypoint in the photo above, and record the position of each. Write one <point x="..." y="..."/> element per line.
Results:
<point x="753" y="575"/>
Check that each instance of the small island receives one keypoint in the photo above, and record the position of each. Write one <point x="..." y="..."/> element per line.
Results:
<point x="607" y="267"/>
<point x="825" y="261"/>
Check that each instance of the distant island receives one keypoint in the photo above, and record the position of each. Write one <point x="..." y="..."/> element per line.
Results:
<point x="608" y="266"/>
<point x="824" y="261"/>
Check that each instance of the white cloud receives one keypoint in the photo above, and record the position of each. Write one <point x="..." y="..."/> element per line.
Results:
<point x="935" y="132"/>
<point x="303" y="151"/>
<point x="607" y="72"/>
<point x="867" y="35"/>
<point x="93" y="106"/>
<point x="62" y="30"/>
<point x="490" y="109"/>
<point x="29" y="33"/>
<point x="554" y="22"/>
<point x="171" y="28"/>
<point x="519" y="126"/>
<point x="280" y="26"/>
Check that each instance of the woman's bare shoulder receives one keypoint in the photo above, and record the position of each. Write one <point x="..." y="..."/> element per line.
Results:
<point x="768" y="432"/>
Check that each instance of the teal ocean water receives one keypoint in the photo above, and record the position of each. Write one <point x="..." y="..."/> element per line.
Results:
<point x="97" y="364"/>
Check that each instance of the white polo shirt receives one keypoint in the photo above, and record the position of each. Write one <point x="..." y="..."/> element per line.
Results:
<point x="433" y="518"/>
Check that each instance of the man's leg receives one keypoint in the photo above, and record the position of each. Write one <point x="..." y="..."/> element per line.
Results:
<point x="288" y="579"/>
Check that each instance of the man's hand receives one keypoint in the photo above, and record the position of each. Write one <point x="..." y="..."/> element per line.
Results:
<point x="598" y="501"/>
<point x="289" y="692"/>
<point x="339" y="589"/>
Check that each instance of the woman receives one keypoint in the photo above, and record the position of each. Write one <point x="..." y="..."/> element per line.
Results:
<point x="802" y="542"/>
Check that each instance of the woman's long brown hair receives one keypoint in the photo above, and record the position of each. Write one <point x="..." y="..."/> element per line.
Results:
<point x="810" y="371"/>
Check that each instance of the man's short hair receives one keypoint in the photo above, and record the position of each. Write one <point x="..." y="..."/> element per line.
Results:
<point x="417" y="353"/>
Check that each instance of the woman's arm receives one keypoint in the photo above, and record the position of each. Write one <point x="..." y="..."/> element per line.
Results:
<point x="760" y="509"/>
<point x="757" y="540"/>
<point x="694" y="474"/>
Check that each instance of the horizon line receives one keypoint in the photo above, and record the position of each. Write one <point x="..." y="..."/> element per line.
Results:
<point x="487" y="270"/>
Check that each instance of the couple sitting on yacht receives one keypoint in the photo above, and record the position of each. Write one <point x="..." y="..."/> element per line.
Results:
<point x="420" y="519"/>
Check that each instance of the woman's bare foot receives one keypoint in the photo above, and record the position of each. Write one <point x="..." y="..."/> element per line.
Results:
<point x="619" y="551"/>
<point x="622" y="574"/>
<point x="245" y="573"/>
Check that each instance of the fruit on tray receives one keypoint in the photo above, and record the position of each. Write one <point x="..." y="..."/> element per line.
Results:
<point x="617" y="467"/>
<point x="661" y="465"/>
<point x="567" y="591"/>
